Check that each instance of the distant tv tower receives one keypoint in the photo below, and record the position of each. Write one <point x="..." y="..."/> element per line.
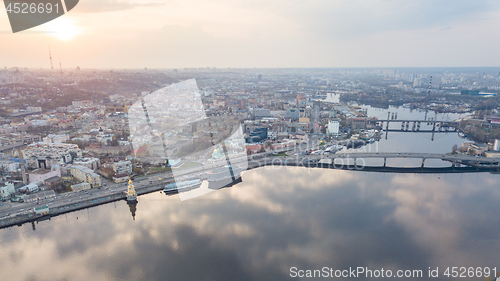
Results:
<point x="430" y="84"/>
<point x="50" y="57"/>
<point x="60" y="66"/>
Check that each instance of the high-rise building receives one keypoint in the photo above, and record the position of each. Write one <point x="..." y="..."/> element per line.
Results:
<point x="417" y="83"/>
<point x="333" y="127"/>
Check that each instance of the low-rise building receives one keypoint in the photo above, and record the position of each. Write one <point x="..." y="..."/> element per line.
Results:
<point x="54" y="183"/>
<point x="492" y="154"/>
<point x="10" y="166"/>
<point x="477" y="149"/>
<point x="39" y="195"/>
<point x="94" y="180"/>
<point x="174" y="162"/>
<point x="43" y="174"/>
<point x="44" y="210"/>
<point x="7" y="190"/>
<point x="84" y="174"/>
<point x="81" y="186"/>
<point x="465" y="146"/>
<point x="32" y="187"/>
<point x="106" y="172"/>
<point x="120" y="178"/>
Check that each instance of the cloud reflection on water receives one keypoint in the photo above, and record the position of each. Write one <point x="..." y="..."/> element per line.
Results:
<point x="273" y="220"/>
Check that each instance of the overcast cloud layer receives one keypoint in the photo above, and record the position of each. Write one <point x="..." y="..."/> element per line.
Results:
<point x="278" y="33"/>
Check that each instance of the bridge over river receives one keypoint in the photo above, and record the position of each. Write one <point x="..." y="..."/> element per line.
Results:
<point x="456" y="160"/>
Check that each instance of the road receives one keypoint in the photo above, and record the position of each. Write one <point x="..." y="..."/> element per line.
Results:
<point x="110" y="188"/>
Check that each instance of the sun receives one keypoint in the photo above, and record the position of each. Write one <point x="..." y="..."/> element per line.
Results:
<point x="63" y="28"/>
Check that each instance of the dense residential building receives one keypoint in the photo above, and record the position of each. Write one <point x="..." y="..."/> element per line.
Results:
<point x="91" y="163"/>
<point x="122" y="167"/>
<point x="44" y="155"/>
<point x="260" y="113"/>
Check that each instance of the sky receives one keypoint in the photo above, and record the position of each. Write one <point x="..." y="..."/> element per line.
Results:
<point x="263" y="34"/>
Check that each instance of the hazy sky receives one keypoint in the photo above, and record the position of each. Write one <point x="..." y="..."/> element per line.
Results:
<point x="258" y="33"/>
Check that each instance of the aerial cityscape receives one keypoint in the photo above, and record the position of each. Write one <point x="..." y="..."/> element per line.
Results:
<point x="253" y="165"/>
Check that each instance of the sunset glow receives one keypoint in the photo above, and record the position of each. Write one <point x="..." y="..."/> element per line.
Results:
<point x="63" y="29"/>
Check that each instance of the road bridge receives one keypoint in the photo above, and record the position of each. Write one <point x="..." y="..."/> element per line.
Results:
<point x="413" y="125"/>
<point x="453" y="130"/>
<point x="416" y="120"/>
<point x="380" y="169"/>
<point x="453" y="158"/>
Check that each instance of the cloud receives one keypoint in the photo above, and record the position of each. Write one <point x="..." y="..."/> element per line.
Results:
<point x="100" y="6"/>
<point x="335" y="20"/>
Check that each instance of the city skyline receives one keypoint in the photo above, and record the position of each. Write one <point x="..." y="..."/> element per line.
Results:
<point x="278" y="34"/>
